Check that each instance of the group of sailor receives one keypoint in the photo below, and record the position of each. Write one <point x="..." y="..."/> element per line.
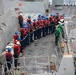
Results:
<point x="40" y="27"/>
<point x="31" y="31"/>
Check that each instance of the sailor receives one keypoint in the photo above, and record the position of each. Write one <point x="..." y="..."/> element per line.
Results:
<point x="16" y="49"/>
<point x="39" y="25"/>
<point x="43" y="26"/>
<point x="57" y="17"/>
<point x="47" y="25"/>
<point x="38" y="28"/>
<point x="35" y="28"/>
<point x="20" y="18"/>
<point x="29" y="19"/>
<point x="28" y="34"/>
<point x="57" y="35"/>
<point x="25" y="36"/>
<point x="61" y="29"/>
<point x="16" y="36"/>
<point x="50" y="26"/>
<point x="31" y="32"/>
<point x="21" y="32"/>
<point x="9" y="57"/>
<point x="39" y="16"/>
<point x="53" y="24"/>
<point x="62" y="16"/>
<point x="19" y="40"/>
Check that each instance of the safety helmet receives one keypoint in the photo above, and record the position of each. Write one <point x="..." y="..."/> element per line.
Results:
<point x="34" y="19"/>
<point x="19" y="38"/>
<point x="46" y="17"/>
<point x="54" y="15"/>
<point x="57" y="13"/>
<point x="30" y="23"/>
<point x="59" y="22"/>
<point x="29" y="16"/>
<point x="39" y="15"/>
<point x="26" y="23"/>
<point x="51" y="14"/>
<point x="25" y="26"/>
<point x="42" y="15"/>
<point x="21" y="14"/>
<point x="18" y="43"/>
<point x="38" y="19"/>
<point x="16" y="32"/>
<point x="9" y="49"/>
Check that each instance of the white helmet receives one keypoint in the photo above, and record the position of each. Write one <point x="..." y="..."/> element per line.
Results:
<point x="21" y="14"/>
<point x="59" y="22"/>
<point x="18" y="43"/>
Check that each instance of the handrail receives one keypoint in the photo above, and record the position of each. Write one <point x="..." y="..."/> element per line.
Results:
<point x="45" y="65"/>
<point x="3" y="73"/>
<point x="67" y="39"/>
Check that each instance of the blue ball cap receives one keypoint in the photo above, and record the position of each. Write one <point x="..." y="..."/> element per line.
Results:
<point x="42" y="15"/>
<point x="26" y="23"/>
<point x="39" y="15"/>
<point x="9" y="49"/>
<point x="46" y="17"/>
<point x="30" y="22"/>
<point x="34" y="19"/>
<point x="51" y="14"/>
<point x="19" y="38"/>
<point x="57" y="13"/>
<point x="38" y="19"/>
<point x="54" y="15"/>
<point x="16" y="32"/>
<point x="25" y="26"/>
<point x="29" y="16"/>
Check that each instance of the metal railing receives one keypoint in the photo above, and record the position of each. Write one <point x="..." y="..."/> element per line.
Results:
<point x="32" y="65"/>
